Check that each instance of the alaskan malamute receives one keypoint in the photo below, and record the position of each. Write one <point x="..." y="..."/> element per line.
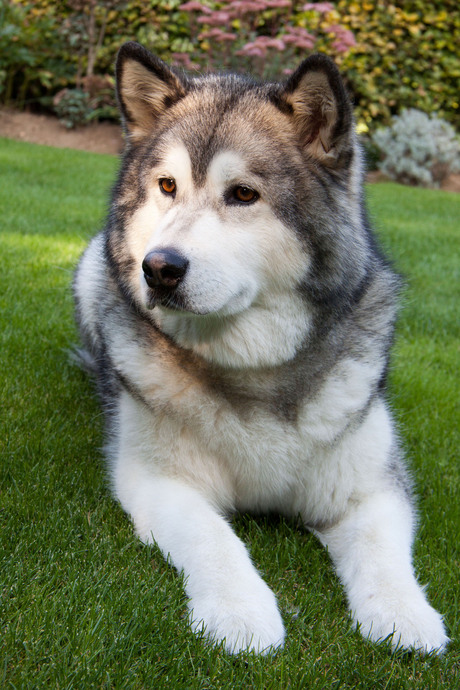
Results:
<point x="238" y="315"/>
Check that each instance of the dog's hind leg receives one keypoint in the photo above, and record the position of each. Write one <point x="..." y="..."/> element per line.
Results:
<point x="371" y="549"/>
<point x="229" y="601"/>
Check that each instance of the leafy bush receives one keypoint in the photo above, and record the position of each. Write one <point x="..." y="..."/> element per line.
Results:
<point x="94" y="101"/>
<point x="72" y="107"/>
<point x="101" y="97"/>
<point x="406" y="56"/>
<point x="394" y="55"/>
<point x="30" y="53"/>
<point x="266" y="37"/>
<point x="418" y="149"/>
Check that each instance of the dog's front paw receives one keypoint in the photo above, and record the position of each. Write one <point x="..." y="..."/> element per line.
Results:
<point x="408" y="623"/>
<point x="243" y="618"/>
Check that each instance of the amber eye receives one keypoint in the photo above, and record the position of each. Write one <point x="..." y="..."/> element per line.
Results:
<point x="244" y="194"/>
<point x="167" y="185"/>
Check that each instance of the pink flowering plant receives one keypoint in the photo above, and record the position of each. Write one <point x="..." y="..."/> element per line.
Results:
<point x="266" y="37"/>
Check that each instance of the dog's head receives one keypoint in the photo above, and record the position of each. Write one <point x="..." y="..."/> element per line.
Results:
<point x="225" y="190"/>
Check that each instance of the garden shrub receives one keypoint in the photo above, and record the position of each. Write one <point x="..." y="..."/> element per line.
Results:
<point x="406" y="56"/>
<point x="72" y="107"/>
<point x="266" y="37"/>
<point x="31" y="53"/>
<point x="394" y="55"/>
<point x="94" y="101"/>
<point x="418" y="149"/>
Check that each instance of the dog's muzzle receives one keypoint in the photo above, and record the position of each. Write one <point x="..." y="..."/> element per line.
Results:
<point x="164" y="268"/>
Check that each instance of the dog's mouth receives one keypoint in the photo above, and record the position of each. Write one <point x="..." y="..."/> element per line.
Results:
<point x="177" y="303"/>
<point x="177" y="300"/>
<point x="161" y="296"/>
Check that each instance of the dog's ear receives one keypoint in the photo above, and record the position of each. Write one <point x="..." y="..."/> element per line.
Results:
<point x="321" y="109"/>
<point x="146" y="87"/>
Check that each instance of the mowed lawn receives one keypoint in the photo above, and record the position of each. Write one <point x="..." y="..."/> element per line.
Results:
<point x="83" y="603"/>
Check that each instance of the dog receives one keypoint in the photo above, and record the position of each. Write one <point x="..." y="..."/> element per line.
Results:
<point x="238" y="315"/>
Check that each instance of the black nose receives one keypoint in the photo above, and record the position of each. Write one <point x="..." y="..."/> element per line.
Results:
<point x="164" y="267"/>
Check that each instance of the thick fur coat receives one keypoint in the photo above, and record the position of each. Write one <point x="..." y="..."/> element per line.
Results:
<point x="238" y="316"/>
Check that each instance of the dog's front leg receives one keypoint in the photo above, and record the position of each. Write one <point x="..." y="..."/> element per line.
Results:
<point x="228" y="598"/>
<point x="371" y="549"/>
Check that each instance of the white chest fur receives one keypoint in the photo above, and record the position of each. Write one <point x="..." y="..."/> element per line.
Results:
<point x="247" y="457"/>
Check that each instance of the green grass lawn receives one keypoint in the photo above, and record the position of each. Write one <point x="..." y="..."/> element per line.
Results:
<point x="84" y="604"/>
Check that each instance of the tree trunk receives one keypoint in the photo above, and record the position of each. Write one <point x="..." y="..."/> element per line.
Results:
<point x="91" y="40"/>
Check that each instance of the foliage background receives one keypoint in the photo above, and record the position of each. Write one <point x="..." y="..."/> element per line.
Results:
<point x="402" y="55"/>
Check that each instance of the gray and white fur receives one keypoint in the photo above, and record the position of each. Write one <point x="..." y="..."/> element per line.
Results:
<point x="239" y="315"/>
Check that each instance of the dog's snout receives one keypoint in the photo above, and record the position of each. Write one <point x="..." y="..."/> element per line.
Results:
<point x="164" y="268"/>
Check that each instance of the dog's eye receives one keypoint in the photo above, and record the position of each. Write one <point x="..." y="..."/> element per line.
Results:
<point x="167" y="185"/>
<point x="244" y="195"/>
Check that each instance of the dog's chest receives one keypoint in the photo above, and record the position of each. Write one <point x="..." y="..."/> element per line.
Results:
<point x="266" y="457"/>
<point x="215" y="432"/>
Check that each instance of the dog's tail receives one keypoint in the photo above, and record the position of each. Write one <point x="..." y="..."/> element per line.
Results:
<point x="83" y="359"/>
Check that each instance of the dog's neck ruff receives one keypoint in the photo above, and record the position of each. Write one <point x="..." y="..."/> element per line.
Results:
<point x="262" y="336"/>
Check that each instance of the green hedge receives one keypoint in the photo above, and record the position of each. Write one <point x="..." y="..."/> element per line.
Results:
<point x="405" y="56"/>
